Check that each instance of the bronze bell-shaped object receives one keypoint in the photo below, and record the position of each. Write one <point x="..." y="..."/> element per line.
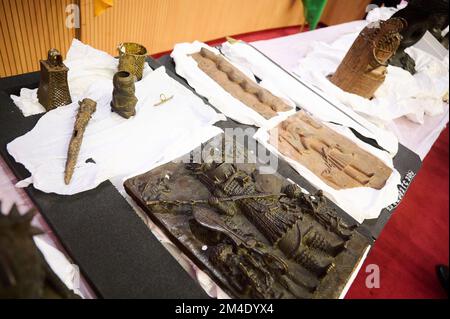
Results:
<point x="53" y="88"/>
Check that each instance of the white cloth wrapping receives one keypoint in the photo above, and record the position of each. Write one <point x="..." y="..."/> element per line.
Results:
<point x="231" y="107"/>
<point x="362" y="202"/>
<point x="246" y="56"/>
<point x="86" y="66"/>
<point x="119" y="147"/>
<point x="402" y="94"/>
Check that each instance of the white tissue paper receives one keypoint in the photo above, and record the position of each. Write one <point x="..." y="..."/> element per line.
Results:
<point x="231" y="107"/>
<point x="113" y="146"/>
<point x="402" y="94"/>
<point x="86" y="66"/>
<point x="362" y="202"/>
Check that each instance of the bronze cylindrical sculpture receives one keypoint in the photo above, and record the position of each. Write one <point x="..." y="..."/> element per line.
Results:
<point x="53" y="87"/>
<point x="124" y="101"/>
<point x="132" y="58"/>
<point x="363" y="70"/>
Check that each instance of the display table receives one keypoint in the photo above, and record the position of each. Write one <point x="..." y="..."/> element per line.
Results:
<point x="285" y="51"/>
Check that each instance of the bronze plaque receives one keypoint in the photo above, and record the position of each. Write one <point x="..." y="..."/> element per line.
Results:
<point x="256" y="235"/>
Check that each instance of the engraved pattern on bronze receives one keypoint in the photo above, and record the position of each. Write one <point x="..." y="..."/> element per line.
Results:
<point x="253" y="244"/>
<point x="132" y="58"/>
<point x="239" y="85"/>
<point x="87" y="108"/>
<point x="124" y="100"/>
<point x="24" y="272"/>
<point x="339" y="162"/>
<point x="53" y="88"/>
<point x="363" y="70"/>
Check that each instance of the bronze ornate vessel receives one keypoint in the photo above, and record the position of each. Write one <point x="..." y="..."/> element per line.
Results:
<point x="53" y="88"/>
<point x="132" y="58"/>
<point x="124" y="101"/>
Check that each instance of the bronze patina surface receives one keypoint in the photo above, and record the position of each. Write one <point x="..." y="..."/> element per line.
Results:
<point x="24" y="273"/>
<point x="232" y="80"/>
<point x="132" y="58"/>
<point x="364" y="68"/>
<point x="53" y="88"/>
<point x="124" y="100"/>
<point x="87" y="108"/>
<point x="257" y="236"/>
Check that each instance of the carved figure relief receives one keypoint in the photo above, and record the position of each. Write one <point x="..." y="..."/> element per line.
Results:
<point x="339" y="162"/>
<point x="239" y="85"/>
<point x="87" y="108"/>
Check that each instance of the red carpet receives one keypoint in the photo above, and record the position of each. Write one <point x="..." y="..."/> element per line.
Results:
<point x="416" y="238"/>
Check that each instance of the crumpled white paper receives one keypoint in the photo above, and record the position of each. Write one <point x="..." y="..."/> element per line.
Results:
<point x="402" y="94"/>
<point x="86" y="66"/>
<point x="113" y="146"/>
<point x="362" y="202"/>
<point x="231" y="107"/>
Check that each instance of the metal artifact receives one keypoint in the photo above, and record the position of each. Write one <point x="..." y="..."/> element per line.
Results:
<point x="124" y="100"/>
<point x="132" y="58"/>
<point x="24" y="272"/>
<point x="421" y="16"/>
<point x="253" y="243"/>
<point x="364" y="68"/>
<point x="87" y="108"/>
<point x="53" y="88"/>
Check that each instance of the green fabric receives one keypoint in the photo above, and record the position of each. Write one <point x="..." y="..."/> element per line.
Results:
<point x="314" y="10"/>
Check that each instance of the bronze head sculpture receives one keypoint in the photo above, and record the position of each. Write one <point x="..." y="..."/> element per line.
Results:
<point x="53" y="88"/>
